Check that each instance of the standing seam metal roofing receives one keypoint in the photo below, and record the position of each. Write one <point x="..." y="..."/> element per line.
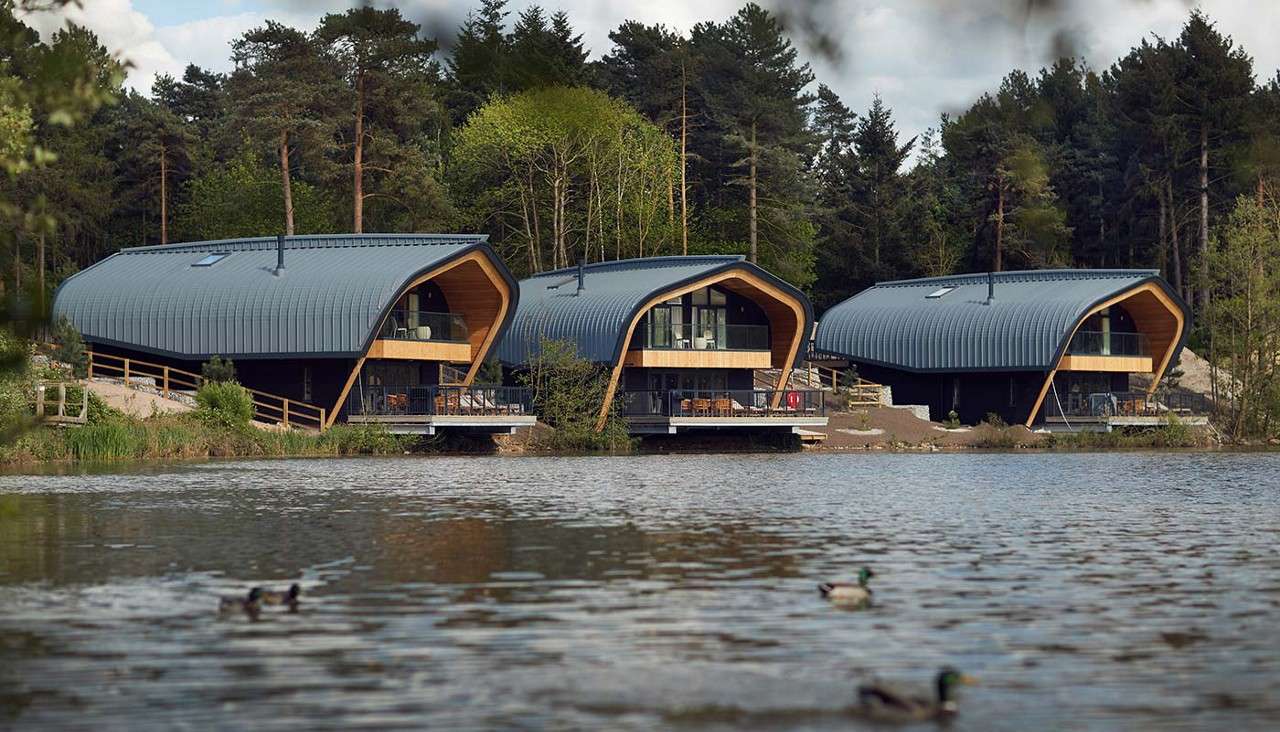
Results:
<point x="596" y="318"/>
<point x="333" y="293"/>
<point x="1025" y="328"/>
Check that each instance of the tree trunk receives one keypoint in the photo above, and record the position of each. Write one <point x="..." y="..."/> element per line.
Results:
<point x="1176" y="250"/>
<point x="357" y="185"/>
<point x="1163" y="247"/>
<point x="1204" y="214"/>
<point x="164" y="197"/>
<point x="284" y="184"/>
<point x="684" y="189"/>
<point x="999" y="221"/>
<point x="754" y="248"/>
<point x="40" y="265"/>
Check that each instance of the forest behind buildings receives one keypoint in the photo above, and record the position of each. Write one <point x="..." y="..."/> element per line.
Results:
<point x="718" y="139"/>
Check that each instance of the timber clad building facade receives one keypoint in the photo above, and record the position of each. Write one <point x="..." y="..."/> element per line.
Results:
<point x="1043" y="346"/>
<point x="371" y="328"/>
<point x="683" y="338"/>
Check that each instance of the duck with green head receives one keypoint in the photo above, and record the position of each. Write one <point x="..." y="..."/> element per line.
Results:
<point x="849" y="593"/>
<point x="881" y="702"/>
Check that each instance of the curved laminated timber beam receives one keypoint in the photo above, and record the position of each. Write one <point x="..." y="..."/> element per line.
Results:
<point x="786" y="325"/>
<point x="474" y="289"/>
<point x="1154" y="313"/>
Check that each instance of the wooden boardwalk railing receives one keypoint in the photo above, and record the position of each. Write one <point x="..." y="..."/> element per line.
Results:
<point x="861" y="392"/>
<point x="60" y="414"/>
<point x="266" y="407"/>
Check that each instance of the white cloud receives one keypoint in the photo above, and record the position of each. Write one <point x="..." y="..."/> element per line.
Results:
<point x="924" y="57"/>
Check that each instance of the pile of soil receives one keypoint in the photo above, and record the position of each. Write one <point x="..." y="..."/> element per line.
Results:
<point x="873" y="428"/>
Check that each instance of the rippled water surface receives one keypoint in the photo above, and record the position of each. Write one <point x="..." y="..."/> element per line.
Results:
<point x="1091" y="591"/>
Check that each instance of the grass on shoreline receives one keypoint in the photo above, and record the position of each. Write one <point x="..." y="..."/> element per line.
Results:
<point x="116" y="437"/>
<point x="1171" y="434"/>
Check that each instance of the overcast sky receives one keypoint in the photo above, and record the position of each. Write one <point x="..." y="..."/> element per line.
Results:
<point x="924" y="57"/>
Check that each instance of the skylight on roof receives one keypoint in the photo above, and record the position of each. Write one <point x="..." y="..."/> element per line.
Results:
<point x="938" y="293"/>
<point x="211" y="259"/>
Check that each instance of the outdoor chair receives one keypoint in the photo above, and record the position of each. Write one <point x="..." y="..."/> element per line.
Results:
<point x="701" y="407"/>
<point x="724" y="408"/>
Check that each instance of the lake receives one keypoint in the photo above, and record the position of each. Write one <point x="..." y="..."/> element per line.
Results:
<point x="1085" y="591"/>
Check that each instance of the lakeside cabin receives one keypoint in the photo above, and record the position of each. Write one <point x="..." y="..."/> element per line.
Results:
<point x="690" y="342"/>
<point x="1051" y="347"/>
<point x="369" y="328"/>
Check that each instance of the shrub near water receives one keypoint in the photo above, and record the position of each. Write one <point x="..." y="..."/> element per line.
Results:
<point x="225" y="404"/>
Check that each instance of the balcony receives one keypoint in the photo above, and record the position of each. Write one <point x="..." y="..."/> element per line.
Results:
<point x="1109" y="352"/>
<point x="438" y="400"/>
<point x="659" y="411"/>
<point x="728" y="403"/>
<point x="419" y="325"/>
<point x="689" y="346"/>
<point x="1098" y="343"/>
<point x="1129" y="408"/>
<point x="422" y="336"/>
<point x="699" y="338"/>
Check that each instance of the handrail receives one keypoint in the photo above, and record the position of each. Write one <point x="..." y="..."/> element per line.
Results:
<point x="61" y="417"/>
<point x="736" y="403"/>
<point x="267" y="407"/>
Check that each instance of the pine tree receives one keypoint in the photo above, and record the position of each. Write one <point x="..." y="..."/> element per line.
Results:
<point x="1215" y="80"/>
<point x="381" y="55"/>
<point x="477" y="65"/>
<point x="544" y="54"/>
<point x="281" y="90"/>
<point x="753" y="87"/>
<point x="880" y="159"/>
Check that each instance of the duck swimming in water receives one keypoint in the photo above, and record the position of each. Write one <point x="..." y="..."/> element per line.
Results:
<point x="287" y="597"/>
<point x="250" y="603"/>
<point x="880" y="702"/>
<point x="849" y="593"/>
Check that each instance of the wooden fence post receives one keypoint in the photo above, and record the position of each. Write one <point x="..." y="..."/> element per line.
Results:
<point x="126" y="372"/>
<point x="165" y="389"/>
<point x="284" y="410"/>
<point x="90" y="355"/>
<point x="62" y="399"/>
<point x="323" y="423"/>
<point x="40" y="401"/>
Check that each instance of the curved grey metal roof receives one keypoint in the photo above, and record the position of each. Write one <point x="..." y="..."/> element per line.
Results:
<point x="596" y="318"/>
<point x="1025" y="327"/>
<point x="333" y="293"/>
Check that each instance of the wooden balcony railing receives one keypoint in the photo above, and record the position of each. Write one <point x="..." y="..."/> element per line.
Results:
<point x="267" y="407"/>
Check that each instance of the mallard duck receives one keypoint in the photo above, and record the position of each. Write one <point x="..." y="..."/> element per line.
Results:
<point x="250" y="603"/>
<point x="848" y="593"/>
<point x="287" y="597"/>
<point x="881" y="702"/>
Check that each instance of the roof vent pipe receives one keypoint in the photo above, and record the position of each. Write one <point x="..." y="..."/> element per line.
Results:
<point x="582" y="275"/>
<point x="991" y="287"/>
<point x="279" y="255"/>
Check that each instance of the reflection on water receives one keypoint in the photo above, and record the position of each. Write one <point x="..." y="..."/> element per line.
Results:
<point x="1087" y="591"/>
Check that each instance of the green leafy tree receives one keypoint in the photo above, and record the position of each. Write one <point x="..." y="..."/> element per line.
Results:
<point x="1243" y="318"/>
<point x="567" y="393"/>
<point x="242" y="198"/>
<point x="568" y="173"/>
<point x="70" y="348"/>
